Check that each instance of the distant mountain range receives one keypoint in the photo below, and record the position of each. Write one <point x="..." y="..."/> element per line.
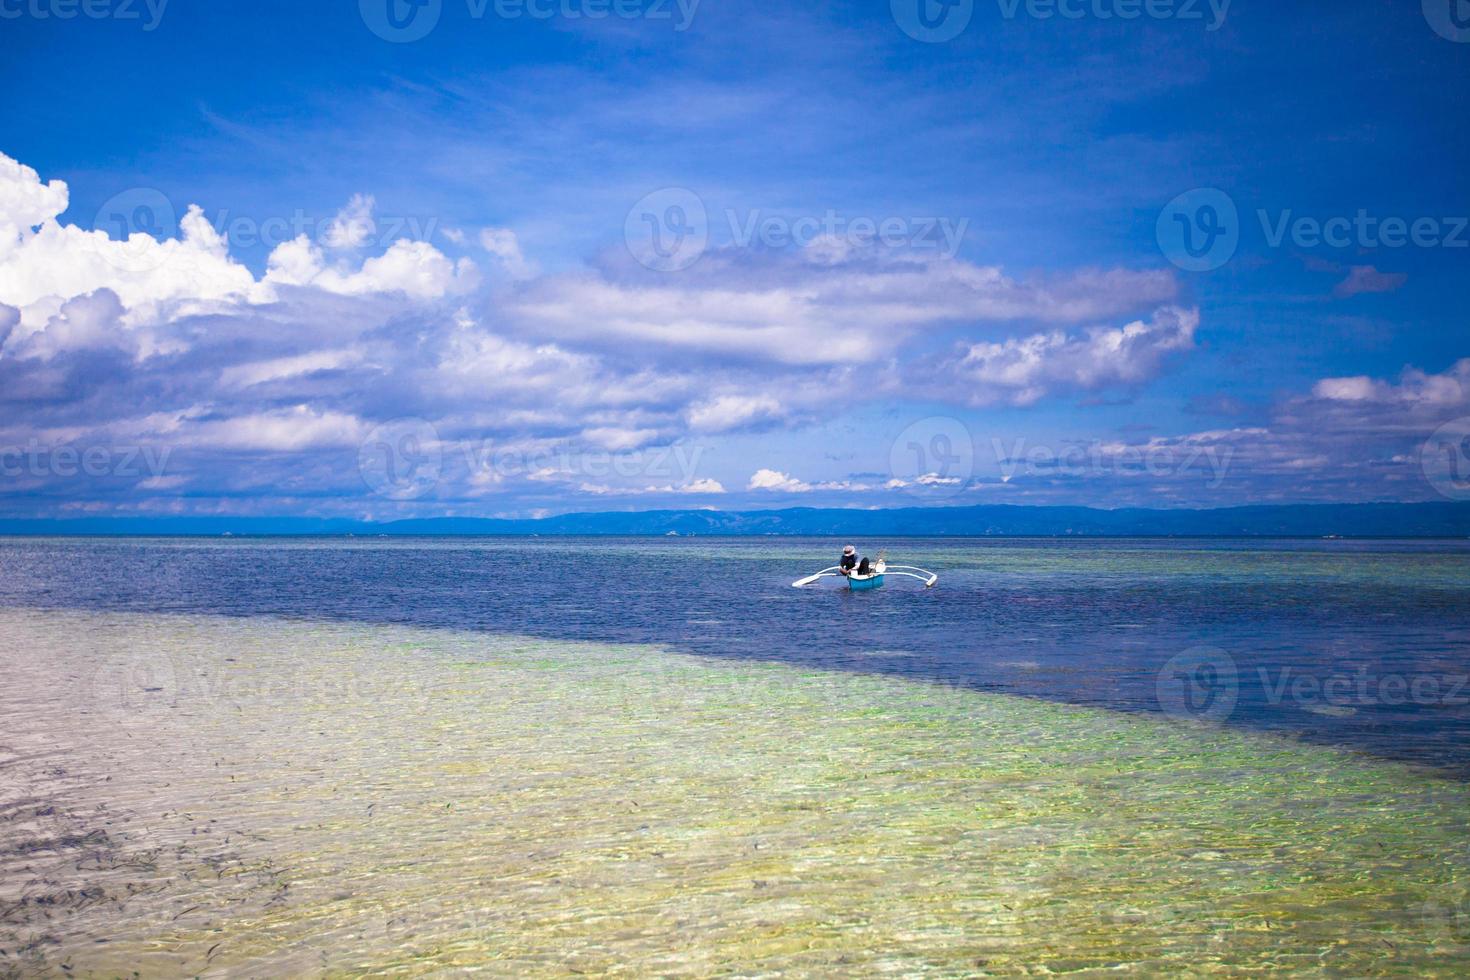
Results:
<point x="1422" y="520"/>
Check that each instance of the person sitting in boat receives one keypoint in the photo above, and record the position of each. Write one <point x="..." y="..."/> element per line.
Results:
<point x="852" y="563"/>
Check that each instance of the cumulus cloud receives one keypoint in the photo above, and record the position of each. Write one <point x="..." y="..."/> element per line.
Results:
<point x="1347" y="439"/>
<point x="1020" y="371"/>
<point x="269" y="386"/>
<point x="725" y="412"/>
<point x="353" y="225"/>
<point x="1415" y="389"/>
<point x="776" y="481"/>
<point x="284" y="430"/>
<point x="810" y="308"/>
<point x="416" y="269"/>
<point x="44" y="263"/>
<point x="9" y="317"/>
<point x="85" y="322"/>
<point x="702" y="487"/>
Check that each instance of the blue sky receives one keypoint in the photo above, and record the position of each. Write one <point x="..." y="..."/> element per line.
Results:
<point x="422" y="277"/>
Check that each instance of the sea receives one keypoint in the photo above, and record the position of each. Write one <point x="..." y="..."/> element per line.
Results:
<point x="553" y="756"/>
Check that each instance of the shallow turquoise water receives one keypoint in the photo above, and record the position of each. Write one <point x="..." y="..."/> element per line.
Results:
<point x="199" y="794"/>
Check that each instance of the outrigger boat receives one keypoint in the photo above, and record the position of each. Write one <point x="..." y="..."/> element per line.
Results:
<point x="874" y="578"/>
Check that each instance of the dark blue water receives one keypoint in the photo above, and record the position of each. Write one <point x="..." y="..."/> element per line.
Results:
<point x="1364" y="644"/>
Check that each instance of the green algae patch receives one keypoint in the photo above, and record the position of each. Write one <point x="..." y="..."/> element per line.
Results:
<point x="250" y="796"/>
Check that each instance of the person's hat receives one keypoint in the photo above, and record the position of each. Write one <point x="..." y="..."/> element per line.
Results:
<point x="849" y="550"/>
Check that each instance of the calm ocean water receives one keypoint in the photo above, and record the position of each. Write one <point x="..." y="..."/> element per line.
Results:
<point x="545" y="757"/>
<point x="1361" y="644"/>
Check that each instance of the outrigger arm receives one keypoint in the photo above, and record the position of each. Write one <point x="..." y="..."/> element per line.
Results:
<point x="812" y="578"/>
<point x="914" y="571"/>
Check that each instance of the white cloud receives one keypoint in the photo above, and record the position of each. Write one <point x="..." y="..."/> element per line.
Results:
<point x="90" y="322"/>
<point x="807" y="309"/>
<point x="44" y="263"/>
<point x="503" y="244"/>
<point x="1022" y="370"/>
<point x="698" y="487"/>
<point x="353" y="225"/>
<point x="923" y="480"/>
<point x="1415" y="387"/>
<point x="615" y="438"/>
<point x="725" y="412"/>
<point x="273" y="382"/>
<point x="276" y="369"/>
<point x="776" y="481"/>
<point x="25" y="203"/>
<point x="416" y="269"/>
<point x="284" y="430"/>
<point x="1357" y="389"/>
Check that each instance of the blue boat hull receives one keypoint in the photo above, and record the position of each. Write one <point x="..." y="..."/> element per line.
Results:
<point x="864" y="584"/>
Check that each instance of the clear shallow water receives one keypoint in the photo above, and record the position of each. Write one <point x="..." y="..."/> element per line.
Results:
<point x="1362" y="644"/>
<point x="201" y="794"/>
